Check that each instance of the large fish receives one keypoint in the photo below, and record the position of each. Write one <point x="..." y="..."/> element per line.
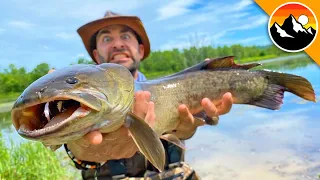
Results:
<point x="70" y="102"/>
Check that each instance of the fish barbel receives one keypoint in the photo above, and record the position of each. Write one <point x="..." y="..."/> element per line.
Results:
<point x="70" y="102"/>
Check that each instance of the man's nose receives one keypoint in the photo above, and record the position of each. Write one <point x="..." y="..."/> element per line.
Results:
<point x="118" y="44"/>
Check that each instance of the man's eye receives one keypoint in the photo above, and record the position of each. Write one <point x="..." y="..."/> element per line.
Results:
<point x="106" y="39"/>
<point x="125" y="36"/>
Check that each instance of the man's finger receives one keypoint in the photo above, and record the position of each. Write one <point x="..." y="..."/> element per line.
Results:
<point x="209" y="108"/>
<point x="226" y="104"/>
<point x="140" y="105"/>
<point x="94" y="137"/>
<point x="187" y="117"/>
<point x="147" y="95"/>
<point x="150" y="116"/>
<point x="211" y="116"/>
<point x="183" y="112"/>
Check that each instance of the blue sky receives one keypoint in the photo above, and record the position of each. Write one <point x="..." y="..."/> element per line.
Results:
<point x="33" y="31"/>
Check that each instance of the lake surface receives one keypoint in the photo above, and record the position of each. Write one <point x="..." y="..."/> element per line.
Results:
<point x="251" y="142"/>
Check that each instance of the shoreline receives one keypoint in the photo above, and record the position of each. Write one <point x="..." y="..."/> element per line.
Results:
<point x="5" y="107"/>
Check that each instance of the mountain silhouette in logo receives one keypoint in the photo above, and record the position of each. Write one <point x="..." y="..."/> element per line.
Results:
<point x="292" y="35"/>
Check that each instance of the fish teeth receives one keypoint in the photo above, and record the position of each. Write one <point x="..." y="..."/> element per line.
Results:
<point x="47" y="111"/>
<point x="59" y="106"/>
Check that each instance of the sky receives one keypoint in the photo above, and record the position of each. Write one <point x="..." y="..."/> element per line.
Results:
<point x="34" y="31"/>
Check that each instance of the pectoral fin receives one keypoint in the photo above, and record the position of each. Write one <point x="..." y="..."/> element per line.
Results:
<point x="146" y="140"/>
<point x="174" y="140"/>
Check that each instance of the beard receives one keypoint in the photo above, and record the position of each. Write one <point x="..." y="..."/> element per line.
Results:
<point x="132" y="67"/>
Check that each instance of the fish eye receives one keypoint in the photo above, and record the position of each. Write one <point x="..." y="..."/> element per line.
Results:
<point x="72" y="80"/>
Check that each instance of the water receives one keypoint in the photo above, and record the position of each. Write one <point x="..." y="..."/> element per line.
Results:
<point x="254" y="143"/>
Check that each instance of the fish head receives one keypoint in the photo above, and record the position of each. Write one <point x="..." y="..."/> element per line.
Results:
<point x="68" y="103"/>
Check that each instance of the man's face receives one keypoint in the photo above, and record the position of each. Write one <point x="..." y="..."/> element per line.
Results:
<point x="118" y="44"/>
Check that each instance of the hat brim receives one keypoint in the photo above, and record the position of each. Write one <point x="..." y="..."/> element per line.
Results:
<point x="88" y="30"/>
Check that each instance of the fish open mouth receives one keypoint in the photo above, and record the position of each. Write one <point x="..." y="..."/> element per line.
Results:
<point x="46" y="117"/>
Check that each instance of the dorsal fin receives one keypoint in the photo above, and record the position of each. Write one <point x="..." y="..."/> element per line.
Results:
<point x="227" y="62"/>
<point x="220" y="63"/>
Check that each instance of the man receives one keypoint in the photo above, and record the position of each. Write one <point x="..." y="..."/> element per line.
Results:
<point x="123" y="40"/>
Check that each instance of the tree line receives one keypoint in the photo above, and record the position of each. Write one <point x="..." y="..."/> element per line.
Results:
<point x="174" y="60"/>
<point x="15" y="80"/>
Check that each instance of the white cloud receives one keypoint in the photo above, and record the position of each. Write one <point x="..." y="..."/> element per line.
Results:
<point x="242" y="164"/>
<point x="175" y="8"/>
<point x="264" y="147"/>
<point x="197" y="19"/>
<point x="250" y="39"/>
<point x="239" y="15"/>
<point x="21" y="24"/>
<point x="219" y="35"/>
<point x="80" y="55"/>
<point x="187" y="40"/>
<point x="254" y="22"/>
<point x="242" y="4"/>
<point x="211" y="13"/>
<point x="97" y="9"/>
<point x="65" y="35"/>
<point x="224" y="8"/>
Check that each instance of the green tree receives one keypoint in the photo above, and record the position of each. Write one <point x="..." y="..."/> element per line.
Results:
<point x="39" y="71"/>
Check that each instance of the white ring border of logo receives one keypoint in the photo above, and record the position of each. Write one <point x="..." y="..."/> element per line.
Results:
<point x="299" y="50"/>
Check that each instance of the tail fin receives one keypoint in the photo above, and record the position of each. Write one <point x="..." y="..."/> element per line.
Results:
<point x="281" y="82"/>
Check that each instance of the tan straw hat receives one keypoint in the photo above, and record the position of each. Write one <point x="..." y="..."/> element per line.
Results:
<point x="88" y="31"/>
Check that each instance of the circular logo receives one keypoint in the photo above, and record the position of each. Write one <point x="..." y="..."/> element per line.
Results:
<point x="293" y="27"/>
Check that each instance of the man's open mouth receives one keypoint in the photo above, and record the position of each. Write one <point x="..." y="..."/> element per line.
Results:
<point x="119" y="56"/>
<point x="46" y="117"/>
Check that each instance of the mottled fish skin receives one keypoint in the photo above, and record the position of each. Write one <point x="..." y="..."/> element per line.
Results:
<point x="212" y="79"/>
<point x="209" y="79"/>
<point x="190" y="88"/>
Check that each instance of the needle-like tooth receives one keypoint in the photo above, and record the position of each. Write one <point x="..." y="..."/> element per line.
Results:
<point x="47" y="111"/>
<point x="59" y="106"/>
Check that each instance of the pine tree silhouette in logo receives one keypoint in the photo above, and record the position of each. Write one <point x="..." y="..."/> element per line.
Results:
<point x="292" y="35"/>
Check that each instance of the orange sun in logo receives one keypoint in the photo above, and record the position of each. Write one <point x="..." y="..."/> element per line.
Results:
<point x="293" y="27"/>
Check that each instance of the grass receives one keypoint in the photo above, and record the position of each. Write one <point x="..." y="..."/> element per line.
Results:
<point x="31" y="160"/>
<point x="8" y="97"/>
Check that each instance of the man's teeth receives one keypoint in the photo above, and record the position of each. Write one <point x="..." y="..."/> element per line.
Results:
<point x="47" y="111"/>
<point x="119" y="56"/>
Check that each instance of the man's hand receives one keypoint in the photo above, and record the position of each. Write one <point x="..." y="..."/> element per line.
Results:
<point x="100" y="147"/>
<point x="189" y="124"/>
